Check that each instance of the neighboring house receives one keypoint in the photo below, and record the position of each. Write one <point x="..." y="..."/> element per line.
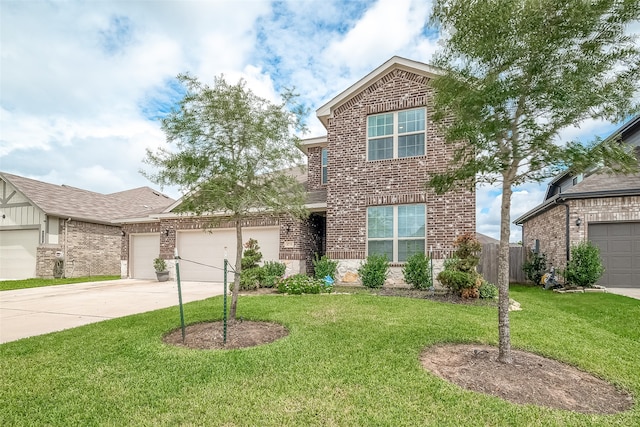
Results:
<point x="366" y="191"/>
<point x="40" y="222"/>
<point x="596" y="207"/>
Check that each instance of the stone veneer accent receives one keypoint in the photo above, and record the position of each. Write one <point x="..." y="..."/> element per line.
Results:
<point x="355" y="183"/>
<point x="549" y="227"/>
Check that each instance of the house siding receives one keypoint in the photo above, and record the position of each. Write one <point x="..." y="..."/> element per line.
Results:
<point x="355" y="183"/>
<point x="314" y="168"/>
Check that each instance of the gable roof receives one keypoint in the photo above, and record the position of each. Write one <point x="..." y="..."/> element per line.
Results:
<point x="395" y="62"/>
<point x="70" y="202"/>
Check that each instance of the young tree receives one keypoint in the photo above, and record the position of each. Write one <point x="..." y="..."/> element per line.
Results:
<point x="229" y="152"/>
<point x="514" y="74"/>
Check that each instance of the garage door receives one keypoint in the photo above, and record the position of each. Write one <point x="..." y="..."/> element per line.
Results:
<point x="619" y="245"/>
<point x="144" y="249"/>
<point x="202" y="247"/>
<point x="18" y="254"/>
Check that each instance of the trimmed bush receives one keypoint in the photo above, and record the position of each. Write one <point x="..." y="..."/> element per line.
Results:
<point x="488" y="290"/>
<point x="585" y="267"/>
<point x="373" y="272"/>
<point x="302" y="284"/>
<point x="272" y="272"/>
<point x="417" y="272"/>
<point x="459" y="272"/>
<point x="324" y="266"/>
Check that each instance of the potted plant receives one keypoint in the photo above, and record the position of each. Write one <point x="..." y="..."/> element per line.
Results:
<point x="161" y="269"/>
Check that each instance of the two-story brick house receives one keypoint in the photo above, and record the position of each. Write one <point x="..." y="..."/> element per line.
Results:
<point x="366" y="188"/>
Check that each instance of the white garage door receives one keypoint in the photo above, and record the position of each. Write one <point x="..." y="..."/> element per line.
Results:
<point x="207" y="248"/>
<point x="619" y="245"/>
<point x="18" y="254"/>
<point x="144" y="249"/>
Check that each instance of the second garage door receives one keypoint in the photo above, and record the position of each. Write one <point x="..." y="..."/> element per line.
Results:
<point x="202" y="252"/>
<point x="619" y="245"/>
<point x="144" y="249"/>
<point x="18" y="254"/>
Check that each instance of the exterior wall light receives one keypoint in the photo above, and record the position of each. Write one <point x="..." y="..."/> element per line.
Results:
<point x="578" y="222"/>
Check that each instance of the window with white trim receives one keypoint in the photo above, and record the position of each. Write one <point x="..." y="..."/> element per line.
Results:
<point x="396" y="231"/>
<point x="325" y="162"/>
<point x="396" y="135"/>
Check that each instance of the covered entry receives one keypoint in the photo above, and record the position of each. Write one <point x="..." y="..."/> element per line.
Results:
<point x="619" y="245"/>
<point x="207" y="247"/>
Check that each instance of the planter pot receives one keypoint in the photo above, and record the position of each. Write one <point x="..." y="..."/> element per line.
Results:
<point x="162" y="276"/>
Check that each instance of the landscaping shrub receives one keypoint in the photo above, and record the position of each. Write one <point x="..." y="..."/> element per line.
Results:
<point x="324" y="266"/>
<point x="459" y="272"/>
<point x="487" y="290"/>
<point x="250" y="279"/>
<point x="535" y="266"/>
<point x="272" y="272"/>
<point x="302" y="284"/>
<point x="585" y="266"/>
<point x="373" y="272"/>
<point x="252" y="274"/>
<point x="417" y="272"/>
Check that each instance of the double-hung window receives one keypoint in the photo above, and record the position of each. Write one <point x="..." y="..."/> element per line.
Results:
<point x="396" y="231"/>
<point x="325" y="162"/>
<point x="396" y="135"/>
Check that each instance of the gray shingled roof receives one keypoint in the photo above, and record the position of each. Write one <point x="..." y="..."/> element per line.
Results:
<point x="66" y="201"/>
<point x="598" y="183"/>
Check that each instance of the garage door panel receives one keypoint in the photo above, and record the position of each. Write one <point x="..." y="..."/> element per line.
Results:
<point x="18" y="252"/>
<point x="144" y="249"/>
<point x="202" y="252"/>
<point x="619" y="245"/>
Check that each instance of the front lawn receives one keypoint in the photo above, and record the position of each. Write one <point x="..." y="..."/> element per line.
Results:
<point x="9" y="285"/>
<point x="349" y="360"/>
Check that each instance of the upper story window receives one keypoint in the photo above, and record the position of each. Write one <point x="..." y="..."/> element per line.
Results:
<point x="325" y="162"/>
<point x="396" y="231"/>
<point x="396" y="135"/>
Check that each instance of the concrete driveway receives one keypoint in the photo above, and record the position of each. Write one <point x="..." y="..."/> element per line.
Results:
<point x="627" y="292"/>
<point x="36" y="311"/>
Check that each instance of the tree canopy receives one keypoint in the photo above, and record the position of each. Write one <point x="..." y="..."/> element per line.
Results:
<point x="231" y="153"/>
<point x="515" y="73"/>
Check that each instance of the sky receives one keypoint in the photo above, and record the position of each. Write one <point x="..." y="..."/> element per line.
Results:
<point x="83" y="83"/>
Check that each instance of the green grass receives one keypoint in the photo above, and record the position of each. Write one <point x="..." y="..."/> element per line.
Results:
<point x="350" y="360"/>
<point x="9" y="285"/>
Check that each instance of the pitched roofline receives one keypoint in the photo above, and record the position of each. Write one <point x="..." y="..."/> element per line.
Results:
<point x="324" y="112"/>
<point x="3" y="175"/>
<point x="318" y="141"/>
<point x="572" y="196"/>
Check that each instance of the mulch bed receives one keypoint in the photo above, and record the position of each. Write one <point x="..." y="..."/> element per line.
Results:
<point x="240" y="334"/>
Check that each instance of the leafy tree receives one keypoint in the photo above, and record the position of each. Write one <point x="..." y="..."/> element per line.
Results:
<point x="229" y="151"/>
<point x="514" y="74"/>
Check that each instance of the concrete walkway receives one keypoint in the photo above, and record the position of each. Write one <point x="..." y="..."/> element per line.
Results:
<point x="36" y="311"/>
<point x="627" y="292"/>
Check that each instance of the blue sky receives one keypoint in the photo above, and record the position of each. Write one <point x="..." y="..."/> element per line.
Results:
<point x="83" y="83"/>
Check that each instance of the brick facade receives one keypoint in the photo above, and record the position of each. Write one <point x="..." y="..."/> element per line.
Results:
<point x="355" y="183"/>
<point x="549" y="227"/>
<point x="89" y="250"/>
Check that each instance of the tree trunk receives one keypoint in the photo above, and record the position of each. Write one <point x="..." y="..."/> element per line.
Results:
<point x="238" y="268"/>
<point x="504" y="332"/>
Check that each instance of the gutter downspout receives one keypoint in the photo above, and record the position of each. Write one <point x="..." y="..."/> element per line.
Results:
<point x="567" y="247"/>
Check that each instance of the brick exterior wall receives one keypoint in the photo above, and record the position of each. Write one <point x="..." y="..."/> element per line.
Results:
<point x="355" y="183"/>
<point x="91" y="250"/>
<point x="550" y="227"/>
<point x="314" y="169"/>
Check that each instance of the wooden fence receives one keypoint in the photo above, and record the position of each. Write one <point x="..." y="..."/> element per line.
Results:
<point x="488" y="265"/>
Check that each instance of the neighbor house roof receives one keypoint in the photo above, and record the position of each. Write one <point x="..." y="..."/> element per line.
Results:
<point x="71" y="202"/>
<point x="593" y="186"/>
<point x="396" y="62"/>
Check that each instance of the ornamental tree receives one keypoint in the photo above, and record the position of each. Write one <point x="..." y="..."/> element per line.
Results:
<point x="514" y="74"/>
<point x="231" y="152"/>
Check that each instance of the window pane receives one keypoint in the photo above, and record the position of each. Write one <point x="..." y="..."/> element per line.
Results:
<point x="380" y="221"/>
<point x="380" y="125"/>
<point x="411" y="121"/>
<point x="411" y="145"/>
<point x="411" y="221"/>
<point x="381" y="247"/>
<point x="406" y="248"/>
<point x="380" y="148"/>
<point x="324" y="157"/>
